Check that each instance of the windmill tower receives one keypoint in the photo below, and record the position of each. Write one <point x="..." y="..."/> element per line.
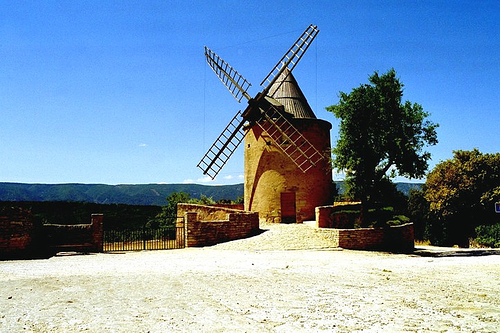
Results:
<point x="287" y="170"/>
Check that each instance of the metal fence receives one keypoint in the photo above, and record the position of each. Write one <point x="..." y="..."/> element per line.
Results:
<point x="147" y="238"/>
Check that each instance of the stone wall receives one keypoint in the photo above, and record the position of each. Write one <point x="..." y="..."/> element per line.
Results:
<point x="17" y="233"/>
<point x="395" y="239"/>
<point x="329" y="216"/>
<point x="207" y="225"/>
<point x="231" y="206"/>
<point x="77" y="237"/>
<point x="21" y="237"/>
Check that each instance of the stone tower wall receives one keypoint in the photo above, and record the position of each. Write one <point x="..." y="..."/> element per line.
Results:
<point x="269" y="172"/>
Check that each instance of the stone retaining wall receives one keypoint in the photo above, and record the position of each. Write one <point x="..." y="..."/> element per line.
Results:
<point x="396" y="238"/>
<point x="329" y="216"/>
<point x="77" y="237"/>
<point x="339" y="226"/>
<point x="21" y="237"/>
<point x="207" y="225"/>
<point x="17" y="232"/>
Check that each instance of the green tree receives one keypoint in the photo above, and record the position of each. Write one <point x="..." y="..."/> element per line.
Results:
<point x="418" y="211"/>
<point x="168" y="214"/>
<point x="203" y="200"/>
<point x="462" y="192"/>
<point x="380" y="137"/>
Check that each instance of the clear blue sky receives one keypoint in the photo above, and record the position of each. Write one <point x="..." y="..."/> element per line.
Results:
<point x="119" y="92"/>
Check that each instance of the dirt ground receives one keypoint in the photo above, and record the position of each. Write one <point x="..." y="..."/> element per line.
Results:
<point x="252" y="286"/>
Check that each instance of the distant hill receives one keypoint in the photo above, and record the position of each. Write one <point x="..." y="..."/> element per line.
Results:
<point x="141" y="194"/>
<point x="405" y="188"/>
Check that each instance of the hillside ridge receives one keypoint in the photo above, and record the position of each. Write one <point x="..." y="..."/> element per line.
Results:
<point x="131" y="194"/>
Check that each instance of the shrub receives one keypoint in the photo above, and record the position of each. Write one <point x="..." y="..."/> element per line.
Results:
<point x="378" y="217"/>
<point x="488" y="235"/>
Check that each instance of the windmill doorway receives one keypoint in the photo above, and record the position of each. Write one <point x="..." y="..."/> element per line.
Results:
<point x="288" y="207"/>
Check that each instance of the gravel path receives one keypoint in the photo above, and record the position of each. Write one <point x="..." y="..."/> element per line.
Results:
<point x="281" y="237"/>
<point x="252" y="285"/>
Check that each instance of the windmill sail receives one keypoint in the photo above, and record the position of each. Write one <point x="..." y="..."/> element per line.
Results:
<point x="290" y="140"/>
<point x="234" y="82"/>
<point x="292" y="57"/>
<point x="261" y="111"/>
<point x="223" y="147"/>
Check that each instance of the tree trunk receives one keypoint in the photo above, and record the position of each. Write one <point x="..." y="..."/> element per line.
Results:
<point x="362" y="214"/>
<point x="364" y="218"/>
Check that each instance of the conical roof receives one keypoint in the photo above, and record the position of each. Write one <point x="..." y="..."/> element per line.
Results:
<point x="286" y="91"/>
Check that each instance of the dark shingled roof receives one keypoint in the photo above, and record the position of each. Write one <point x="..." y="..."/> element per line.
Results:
<point x="286" y="91"/>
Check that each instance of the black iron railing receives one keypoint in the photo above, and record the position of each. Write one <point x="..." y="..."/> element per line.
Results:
<point x="147" y="238"/>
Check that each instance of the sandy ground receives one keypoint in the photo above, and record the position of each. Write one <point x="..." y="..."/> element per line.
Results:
<point x="238" y="287"/>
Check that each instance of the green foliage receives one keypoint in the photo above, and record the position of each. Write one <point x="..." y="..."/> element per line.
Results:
<point x="203" y="200"/>
<point x="398" y="220"/>
<point x="116" y="217"/>
<point x="461" y="193"/>
<point x="348" y="216"/>
<point x="380" y="136"/>
<point x="404" y="188"/>
<point x="488" y="235"/>
<point x="386" y="193"/>
<point x="386" y="216"/>
<point x="168" y="215"/>
<point x="428" y="226"/>
<point x="418" y="211"/>
<point x="379" y="217"/>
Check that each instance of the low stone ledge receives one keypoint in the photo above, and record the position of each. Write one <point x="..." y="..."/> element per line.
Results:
<point x="208" y="225"/>
<point x="329" y="216"/>
<point x="395" y="238"/>
<point x="21" y="237"/>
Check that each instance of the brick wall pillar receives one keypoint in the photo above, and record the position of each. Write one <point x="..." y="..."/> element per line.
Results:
<point x="97" y="231"/>
<point x="189" y="221"/>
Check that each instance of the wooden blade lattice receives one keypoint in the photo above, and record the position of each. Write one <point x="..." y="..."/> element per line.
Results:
<point x="225" y="145"/>
<point x="292" y="57"/>
<point x="234" y="82"/>
<point x="290" y="141"/>
<point x="279" y="129"/>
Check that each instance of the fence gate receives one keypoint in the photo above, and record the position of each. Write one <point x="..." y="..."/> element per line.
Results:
<point x="145" y="238"/>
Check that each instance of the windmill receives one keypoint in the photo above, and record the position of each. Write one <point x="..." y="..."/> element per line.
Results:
<point x="266" y="116"/>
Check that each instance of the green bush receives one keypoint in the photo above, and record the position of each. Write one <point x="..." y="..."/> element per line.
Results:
<point x="386" y="217"/>
<point x="488" y="235"/>
<point x="379" y="217"/>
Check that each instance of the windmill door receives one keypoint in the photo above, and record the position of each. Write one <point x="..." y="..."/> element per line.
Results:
<point x="288" y="209"/>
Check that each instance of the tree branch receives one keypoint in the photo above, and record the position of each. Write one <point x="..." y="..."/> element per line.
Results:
<point x="386" y="168"/>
